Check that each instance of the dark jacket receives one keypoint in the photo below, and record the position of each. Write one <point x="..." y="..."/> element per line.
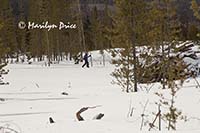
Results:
<point x="86" y="56"/>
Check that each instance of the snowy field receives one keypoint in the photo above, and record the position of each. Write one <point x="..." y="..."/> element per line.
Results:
<point x="35" y="94"/>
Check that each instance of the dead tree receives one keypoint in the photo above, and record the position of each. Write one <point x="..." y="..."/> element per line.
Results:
<point x="158" y="116"/>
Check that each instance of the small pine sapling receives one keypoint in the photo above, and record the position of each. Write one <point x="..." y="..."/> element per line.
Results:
<point x="123" y="72"/>
<point x="173" y="114"/>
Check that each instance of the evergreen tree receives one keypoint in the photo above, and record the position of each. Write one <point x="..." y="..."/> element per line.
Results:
<point x="96" y="29"/>
<point x="21" y="35"/>
<point x="164" y="40"/>
<point x="129" y="32"/>
<point x="196" y="11"/>
<point x="171" y="34"/>
<point x="80" y="27"/>
<point x="193" y="31"/>
<point x="8" y="32"/>
<point x="106" y="24"/>
<point x="195" y="8"/>
<point x="3" y="52"/>
<point x="170" y="62"/>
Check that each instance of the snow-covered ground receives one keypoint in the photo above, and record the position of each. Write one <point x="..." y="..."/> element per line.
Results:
<point x="35" y="94"/>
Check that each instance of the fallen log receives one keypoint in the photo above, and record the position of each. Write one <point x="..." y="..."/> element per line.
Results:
<point x="98" y="117"/>
<point x="80" y="118"/>
<point x="78" y="114"/>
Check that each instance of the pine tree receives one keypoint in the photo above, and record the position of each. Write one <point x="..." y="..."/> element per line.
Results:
<point x="76" y="37"/>
<point x="106" y="24"/>
<point x="123" y="73"/>
<point x="3" y="52"/>
<point x="36" y="48"/>
<point x="21" y="35"/>
<point x="129" y="32"/>
<point x="193" y="31"/>
<point x="195" y="8"/>
<point x="171" y="30"/>
<point x="2" y="48"/>
<point x="96" y="29"/>
<point x="163" y="39"/>
<point x="8" y="32"/>
<point x="171" y="64"/>
<point x="196" y="11"/>
<point x="80" y="27"/>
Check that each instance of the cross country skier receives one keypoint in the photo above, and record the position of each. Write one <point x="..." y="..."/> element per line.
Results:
<point x="85" y="58"/>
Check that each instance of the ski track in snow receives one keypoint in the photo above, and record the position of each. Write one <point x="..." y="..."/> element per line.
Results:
<point x="22" y="114"/>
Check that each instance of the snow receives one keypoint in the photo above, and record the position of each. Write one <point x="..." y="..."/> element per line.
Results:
<point x="35" y="94"/>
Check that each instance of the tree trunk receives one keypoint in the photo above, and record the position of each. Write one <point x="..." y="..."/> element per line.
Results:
<point x="48" y="48"/>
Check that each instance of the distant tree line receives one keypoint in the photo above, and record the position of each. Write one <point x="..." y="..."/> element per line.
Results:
<point x="155" y="24"/>
<point x="55" y="44"/>
<point x="92" y="32"/>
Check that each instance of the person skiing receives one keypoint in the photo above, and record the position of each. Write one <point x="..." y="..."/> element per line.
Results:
<point x="86" y="62"/>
